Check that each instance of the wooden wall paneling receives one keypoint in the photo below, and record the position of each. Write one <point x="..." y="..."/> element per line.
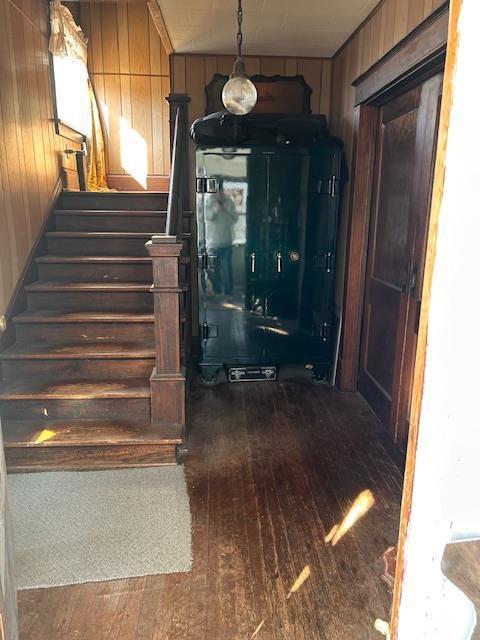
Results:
<point x="366" y="37"/>
<point x="97" y="38"/>
<point x="389" y="35"/>
<point x="86" y="24"/>
<point x="311" y="70"/>
<point x="110" y="44"/>
<point x="427" y="7"/>
<point x="225" y="64"/>
<point x="270" y="66"/>
<point x="326" y="88"/>
<point x="30" y="151"/>
<point x="415" y="14"/>
<point x="30" y="184"/>
<point x="401" y="20"/>
<point x="141" y="113"/>
<point x="195" y="80"/>
<point x="177" y="71"/>
<point x="112" y="99"/>
<point x="155" y="48"/>
<point x="157" y="126"/>
<point x="36" y="92"/>
<point x="253" y="64"/>
<point x="139" y="46"/>
<point x="123" y="38"/>
<point x="437" y="4"/>
<point x="211" y="68"/>
<point x="166" y="128"/>
<point x="126" y="107"/>
<point x="291" y="66"/>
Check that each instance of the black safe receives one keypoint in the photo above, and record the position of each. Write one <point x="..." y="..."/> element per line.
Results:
<point x="267" y="220"/>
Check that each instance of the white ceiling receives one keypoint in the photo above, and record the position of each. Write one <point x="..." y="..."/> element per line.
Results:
<point x="270" y="27"/>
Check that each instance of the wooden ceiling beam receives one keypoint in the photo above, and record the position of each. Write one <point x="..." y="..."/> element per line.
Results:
<point x="157" y="16"/>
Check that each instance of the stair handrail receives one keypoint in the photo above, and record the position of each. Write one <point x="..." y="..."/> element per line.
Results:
<point x="178" y="179"/>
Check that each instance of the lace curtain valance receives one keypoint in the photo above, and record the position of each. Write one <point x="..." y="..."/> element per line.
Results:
<point x="66" y="39"/>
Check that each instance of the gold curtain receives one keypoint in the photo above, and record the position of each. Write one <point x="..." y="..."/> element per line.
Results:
<point x="97" y="174"/>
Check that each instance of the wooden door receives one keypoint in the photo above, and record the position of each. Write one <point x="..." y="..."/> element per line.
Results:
<point x="404" y="162"/>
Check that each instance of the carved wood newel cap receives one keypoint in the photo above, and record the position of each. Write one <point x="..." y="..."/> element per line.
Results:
<point x="164" y="246"/>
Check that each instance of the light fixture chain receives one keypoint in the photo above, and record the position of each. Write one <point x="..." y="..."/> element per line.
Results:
<point x="239" y="32"/>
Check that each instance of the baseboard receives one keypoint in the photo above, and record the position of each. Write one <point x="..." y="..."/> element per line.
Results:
<point x="127" y="183"/>
<point x="18" y="301"/>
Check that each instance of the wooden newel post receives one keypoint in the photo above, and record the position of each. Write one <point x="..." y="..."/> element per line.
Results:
<point x="167" y="382"/>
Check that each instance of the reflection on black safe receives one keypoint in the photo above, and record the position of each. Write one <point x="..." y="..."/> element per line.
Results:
<point x="267" y="223"/>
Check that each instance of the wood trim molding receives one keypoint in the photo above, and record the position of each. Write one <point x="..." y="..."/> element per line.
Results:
<point x="160" y="25"/>
<point x="423" y="47"/>
<point x="420" y="361"/>
<point x="374" y="87"/>
<point x="365" y="130"/>
<point x="66" y="131"/>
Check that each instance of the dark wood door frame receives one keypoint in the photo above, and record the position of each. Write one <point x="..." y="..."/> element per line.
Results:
<point x="418" y="56"/>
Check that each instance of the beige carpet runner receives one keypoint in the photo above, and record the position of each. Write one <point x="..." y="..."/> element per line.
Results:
<point x="77" y="527"/>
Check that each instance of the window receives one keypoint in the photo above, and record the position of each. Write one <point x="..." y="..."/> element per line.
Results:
<point x="68" y="47"/>
<point x="71" y="93"/>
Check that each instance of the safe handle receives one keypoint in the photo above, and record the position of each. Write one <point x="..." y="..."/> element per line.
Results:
<point x="279" y="262"/>
<point x="252" y="262"/>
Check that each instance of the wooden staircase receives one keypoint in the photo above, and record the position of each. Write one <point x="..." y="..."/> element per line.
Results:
<point x="75" y="390"/>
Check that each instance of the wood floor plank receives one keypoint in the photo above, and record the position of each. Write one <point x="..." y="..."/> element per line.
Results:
<point x="271" y="468"/>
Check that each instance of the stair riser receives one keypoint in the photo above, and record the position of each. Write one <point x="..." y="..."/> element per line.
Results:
<point x="142" y="224"/>
<point x="98" y="409"/>
<point x="88" y="332"/>
<point x="21" y="459"/>
<point x="97" y="246"/>
<point x="96" y="272"/>
<point x="98" y="369"/>
<point x="126" y="202"/>
<point x="91" y="301"/>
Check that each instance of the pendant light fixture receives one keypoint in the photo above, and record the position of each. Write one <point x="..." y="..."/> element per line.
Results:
<point x="239" y="94"/>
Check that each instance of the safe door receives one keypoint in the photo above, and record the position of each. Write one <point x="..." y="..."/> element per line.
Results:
<point x="231" y="204"/>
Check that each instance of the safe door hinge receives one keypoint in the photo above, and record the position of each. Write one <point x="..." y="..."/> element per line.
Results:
<point x="325" y="261"/>
<point x="207" y="262"/>
<point x="206" y="185"/>
<point x="322" y="331"/>
<point x="208" y="331"/>
<point x="328" y="187"/>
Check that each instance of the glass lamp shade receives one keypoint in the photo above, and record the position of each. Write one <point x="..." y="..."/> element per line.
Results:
<point x="239" y="94"/>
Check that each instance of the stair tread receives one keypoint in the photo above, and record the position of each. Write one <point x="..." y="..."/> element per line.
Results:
<point x="49" y="259"/>
<point x="98" y="234"/>
<point x="116" y="212"/>
<point x="51" y="389"/>
<point x="72" y="259"/>
<point x="119" y="194"/>
<point x="110" y="212"/>
<point x="57" y="433"/>
<point x="77" y="350"/>
<point x="68" y="285"/>
<point x="48" y="316"/>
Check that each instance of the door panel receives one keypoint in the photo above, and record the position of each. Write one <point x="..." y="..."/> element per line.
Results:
<point x="404" y="158"/>
<point x="299" y="227"/>
<point x="231" y="288"/>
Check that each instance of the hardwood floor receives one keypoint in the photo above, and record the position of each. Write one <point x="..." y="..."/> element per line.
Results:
<point x="271" y="468"/>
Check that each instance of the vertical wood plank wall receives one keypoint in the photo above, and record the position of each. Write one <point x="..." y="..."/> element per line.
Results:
<point x="191" y="73"/>
<point x="391" y="21"/>
<point x="130" y="73"/>
<point x="31" y="157"/>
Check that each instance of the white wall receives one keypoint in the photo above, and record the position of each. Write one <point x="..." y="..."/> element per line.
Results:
<point x="446" y="497"/>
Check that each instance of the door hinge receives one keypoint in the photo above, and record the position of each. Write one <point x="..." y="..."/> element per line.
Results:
<point x="322" y="331"/>
<point x="325" y="331"/>
<point x="207" y="262"/>
<point x="208" y="331"/>
<point x="325" y="261"/>
<point x="206" y="185"/>
<point x="328" y="187"/>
